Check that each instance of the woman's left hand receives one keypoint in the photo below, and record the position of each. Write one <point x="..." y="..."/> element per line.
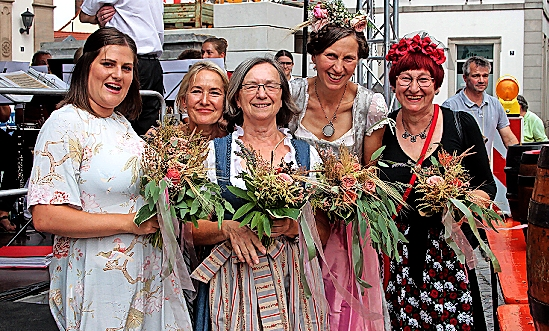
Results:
<point x="284" y="227"/>
<point x="483" y="196"/>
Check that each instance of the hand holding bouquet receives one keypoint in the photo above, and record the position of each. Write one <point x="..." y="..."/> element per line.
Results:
<point x="447" y="190"/>
<point x="271" y="192"/>
<point x="174" y="181"/>
<point x="351" y="193"/>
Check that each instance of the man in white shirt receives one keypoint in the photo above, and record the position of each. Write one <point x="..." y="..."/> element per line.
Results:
<point x="143" y="21"/>
<point x="486" y="109"/>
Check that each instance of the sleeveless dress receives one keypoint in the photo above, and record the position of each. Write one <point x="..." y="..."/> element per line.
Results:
<point x="108" y="283"/>
<point x="269" y="295"/>
<point x="428" y="288"/>
<point x="369" y="114"/>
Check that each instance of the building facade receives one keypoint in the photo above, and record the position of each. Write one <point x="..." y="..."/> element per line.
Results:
<point x="16" y="46"/>
<point x="513" y="34"/>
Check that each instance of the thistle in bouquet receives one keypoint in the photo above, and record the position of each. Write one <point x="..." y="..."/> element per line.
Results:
<point x="447" y="190"/>
<point x="174" y="181"/>
<point x="351" y="193"/>
<point x="271" y="193"/>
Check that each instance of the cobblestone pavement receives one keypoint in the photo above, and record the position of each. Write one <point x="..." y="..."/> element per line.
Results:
<point x="485" y="285"/>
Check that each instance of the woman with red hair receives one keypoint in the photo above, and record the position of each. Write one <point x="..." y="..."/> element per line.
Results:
<point x="427" y="288"/>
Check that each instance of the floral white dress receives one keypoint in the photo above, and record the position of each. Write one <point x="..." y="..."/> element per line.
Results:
<point x="109" y="283"/>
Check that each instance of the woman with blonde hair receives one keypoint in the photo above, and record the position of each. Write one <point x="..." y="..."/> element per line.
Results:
<point x="201" y="97"/>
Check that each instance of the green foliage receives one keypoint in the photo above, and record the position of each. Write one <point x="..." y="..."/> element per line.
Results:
<point x="271" y="193"/>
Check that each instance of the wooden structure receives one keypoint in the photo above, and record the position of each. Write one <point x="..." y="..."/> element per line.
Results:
<point x="515" y="317"/>
<point x="509" y="247"/>
<point x="188" y="15"/>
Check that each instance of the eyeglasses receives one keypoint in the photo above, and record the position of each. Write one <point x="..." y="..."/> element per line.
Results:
<point x="286" y="63"/>
<point x="406" y="81"/>
<point x="254" y="88"/>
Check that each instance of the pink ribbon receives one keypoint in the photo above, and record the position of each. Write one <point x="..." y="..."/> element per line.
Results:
<point x="369" y="306"/>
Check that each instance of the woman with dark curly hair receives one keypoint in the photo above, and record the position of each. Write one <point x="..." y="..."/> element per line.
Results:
<point x="335" y="111"/>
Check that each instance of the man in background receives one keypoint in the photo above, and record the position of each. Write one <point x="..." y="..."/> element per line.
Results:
<point x="486" y="109"/>
<point x="143" y="21"/>
<point x="533" y="129"/>
<point x="40" y="58"/>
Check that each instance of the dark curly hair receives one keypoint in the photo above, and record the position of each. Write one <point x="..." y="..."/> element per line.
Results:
<point x="330" y="33"/>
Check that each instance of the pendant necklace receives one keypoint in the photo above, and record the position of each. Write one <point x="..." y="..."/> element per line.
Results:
<point x="413" y="137"/>
<point x="328" y="130"/>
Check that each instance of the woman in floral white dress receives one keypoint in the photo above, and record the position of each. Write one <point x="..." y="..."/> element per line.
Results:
<point x="84" y="188"/>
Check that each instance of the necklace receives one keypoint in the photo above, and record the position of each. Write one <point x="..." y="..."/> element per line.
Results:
<point x="413" y="137"/>
<point x="328" y="130"/>
<point x="274" y="150"/>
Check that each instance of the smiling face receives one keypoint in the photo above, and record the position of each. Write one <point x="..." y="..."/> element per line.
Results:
<point x="260" y="104"/>
<point x="336" y="65"/>
<point x="204" y="98"/>
<point x="110" y="77"/>
<point x="209" y="51"/>
<point x="413" y="97"/>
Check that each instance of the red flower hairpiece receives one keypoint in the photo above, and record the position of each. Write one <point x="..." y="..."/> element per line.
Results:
<point x="416" y="45"/>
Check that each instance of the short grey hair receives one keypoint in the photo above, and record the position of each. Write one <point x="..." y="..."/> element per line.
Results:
<point x="233" y="114"/>
<point x="479" y="61"/>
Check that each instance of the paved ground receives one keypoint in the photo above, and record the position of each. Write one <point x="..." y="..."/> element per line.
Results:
<point x="483" y="275"/>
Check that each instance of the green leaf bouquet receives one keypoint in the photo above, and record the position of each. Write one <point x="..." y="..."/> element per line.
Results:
<point x="271" y="193"/>
<point x="446" y="190"/>
<point x="174" y="183"/>
<point x="351" y="193"/>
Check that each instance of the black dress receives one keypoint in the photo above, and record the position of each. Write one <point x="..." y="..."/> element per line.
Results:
<point x="428" y="288"/>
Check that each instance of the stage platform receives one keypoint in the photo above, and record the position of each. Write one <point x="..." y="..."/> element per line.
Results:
<point x="18" y="284"/>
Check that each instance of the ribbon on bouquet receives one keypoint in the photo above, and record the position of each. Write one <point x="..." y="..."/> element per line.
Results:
<point x="456" y="239"/>
<point x="311" y="238"/>
<point x="173" y="267"/>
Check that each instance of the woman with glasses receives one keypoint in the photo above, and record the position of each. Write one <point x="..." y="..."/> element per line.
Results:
<point x="428" y="288"/>
<point x="254" y="287"/>
<point x="335" y="111"/>
<point x="286" y="60"/>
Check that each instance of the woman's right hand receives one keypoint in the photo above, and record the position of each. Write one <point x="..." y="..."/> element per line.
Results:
<point x="147" y="227"/>
<point x="244" y="241"/>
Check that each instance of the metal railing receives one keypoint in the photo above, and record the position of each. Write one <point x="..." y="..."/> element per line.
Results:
<point x="51" y="91"/>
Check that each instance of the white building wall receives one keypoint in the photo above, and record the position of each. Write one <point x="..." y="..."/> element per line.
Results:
<point x="22" y="44"/>
<point x="507" y="25"/>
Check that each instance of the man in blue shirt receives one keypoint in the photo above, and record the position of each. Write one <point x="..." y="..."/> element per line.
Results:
<point x="486" y="109"/>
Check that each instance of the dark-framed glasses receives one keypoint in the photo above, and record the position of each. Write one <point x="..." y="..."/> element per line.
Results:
<point x="254" y="88"/>
<point x="285" y="63"/>
<point x="406" y="81"/>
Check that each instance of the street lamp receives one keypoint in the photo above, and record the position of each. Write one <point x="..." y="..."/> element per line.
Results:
<point x="27" y="18"/>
